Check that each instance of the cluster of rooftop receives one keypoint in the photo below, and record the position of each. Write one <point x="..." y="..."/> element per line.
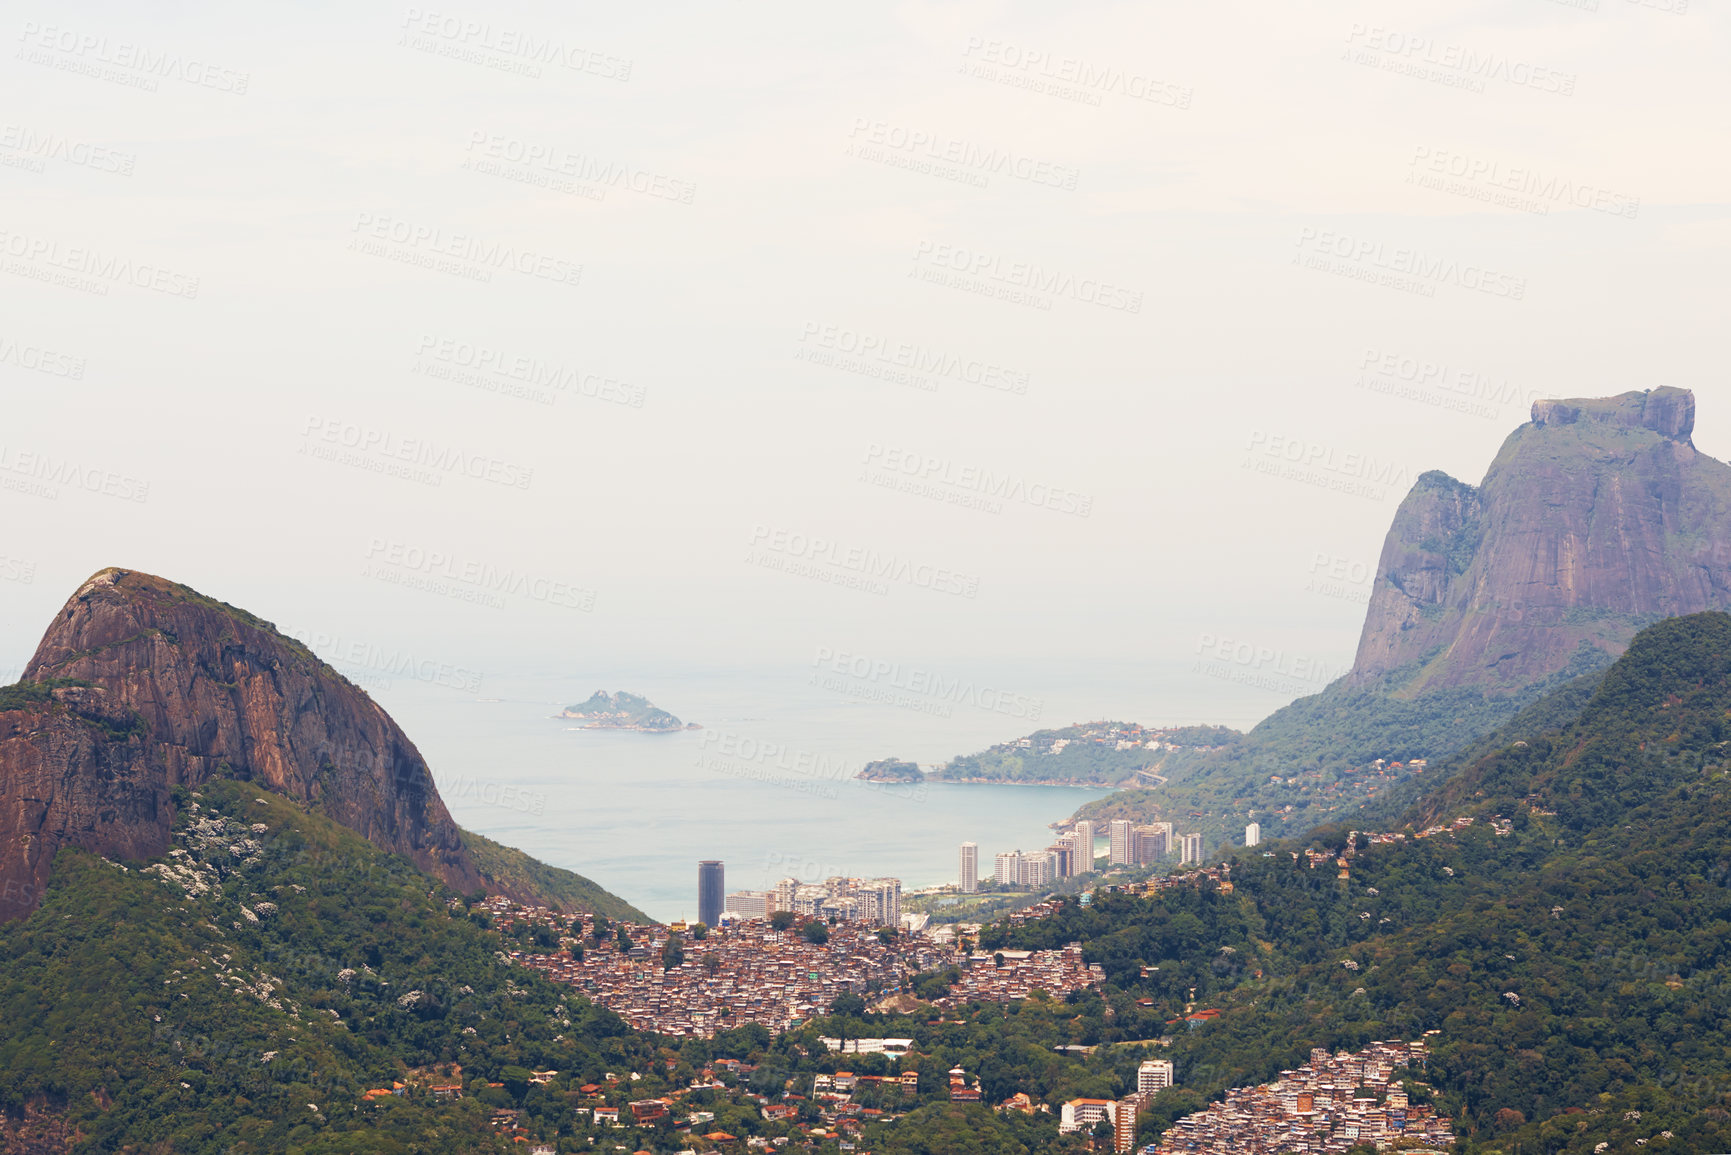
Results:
<point x="1330" y="1104"/>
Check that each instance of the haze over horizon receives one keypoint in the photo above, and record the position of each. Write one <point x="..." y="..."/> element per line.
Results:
<point x="754" y="211"/>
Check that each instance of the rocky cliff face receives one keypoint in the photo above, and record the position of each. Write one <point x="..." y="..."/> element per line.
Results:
<point x="1595" y="518"/>
<point x="177" y="689"/>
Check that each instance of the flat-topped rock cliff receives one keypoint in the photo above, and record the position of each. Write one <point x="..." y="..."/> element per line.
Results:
<point x="1595" y="518"/>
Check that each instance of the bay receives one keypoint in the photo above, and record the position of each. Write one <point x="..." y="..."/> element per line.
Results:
<point x="766" y="786"/>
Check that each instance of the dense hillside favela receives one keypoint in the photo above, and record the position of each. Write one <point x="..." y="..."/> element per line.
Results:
<point x="1472" y="897"/>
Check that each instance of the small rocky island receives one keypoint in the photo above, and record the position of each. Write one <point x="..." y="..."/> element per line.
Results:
<point x="891" y="770"/>
<point x="622" y="711"/>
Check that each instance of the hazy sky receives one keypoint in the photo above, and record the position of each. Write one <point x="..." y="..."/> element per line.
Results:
<point x="640" y="338"/>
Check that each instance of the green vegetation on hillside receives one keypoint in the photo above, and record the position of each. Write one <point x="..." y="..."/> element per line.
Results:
<point x="1568" y="944"/>
<point x="248" y="1004"/>
<point x="21" y="695"/>
<point x="1086" y="754"/>
<point x="1319" y="748"/>
<point x="518" y="872"/>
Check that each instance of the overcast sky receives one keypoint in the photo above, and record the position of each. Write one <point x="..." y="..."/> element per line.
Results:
<point x="692" y="338"/>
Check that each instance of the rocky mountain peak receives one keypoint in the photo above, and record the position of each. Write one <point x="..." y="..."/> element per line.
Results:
<point x="141" y="685"/>
<point x="1596" y="518"/>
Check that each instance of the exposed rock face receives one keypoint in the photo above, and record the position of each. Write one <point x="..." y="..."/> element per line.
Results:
<point x="184" y="689"/>
<point x="1595" y="518"/>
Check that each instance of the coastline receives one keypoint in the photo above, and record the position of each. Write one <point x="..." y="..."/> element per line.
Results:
<point x="1032" y="782"/>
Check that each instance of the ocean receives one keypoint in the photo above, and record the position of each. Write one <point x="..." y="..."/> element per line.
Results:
<point x="767" y="786"/>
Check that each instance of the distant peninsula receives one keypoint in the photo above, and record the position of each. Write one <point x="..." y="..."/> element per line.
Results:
<point x="622" y="711"/>
<point x="1096" y="754"/>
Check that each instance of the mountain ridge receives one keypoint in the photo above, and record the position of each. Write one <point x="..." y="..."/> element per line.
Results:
<point x="143" y="684"/>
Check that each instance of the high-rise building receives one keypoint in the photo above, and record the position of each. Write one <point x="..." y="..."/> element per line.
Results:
<point x="750" y="903"/>
<point x="1036" y="869"/>
<point x="870" y="900"/>
<point x="1154" y="1075"/>
<point x="1119" y="841"/>
<point x="970" y="868"/>
<point x="1072" y="845"/>
<point x="1124" y="1122"/>
<point x="1008" y="868"/>
<point x="1085" y="838"/>
<point x="1190" y="850"/>
<point x="883" y="901"/>
<point x="711" y="891"/>
<point x="1253" y="834"/>
<point x="1151" y="843"/>
<point x="1059" y="852"/>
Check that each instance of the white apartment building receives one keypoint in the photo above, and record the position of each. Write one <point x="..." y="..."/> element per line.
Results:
<point x="1084" y="832"/>
<point x="1036" y="869"/>
<point x="1119" y="836"/>
<point x="1153" y="1075"/>
<point x="1082" y="1114"/>
<point x="749" y="904"/>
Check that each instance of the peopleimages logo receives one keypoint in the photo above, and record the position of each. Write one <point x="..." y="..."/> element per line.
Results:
<point x="53" y="471"/>
<point x="1091" y="80"/>
<point x="58" y="146"/>
<point x="877" y="349"/>
<point x="865" y="564"/>
<point x="1464" y="390"/>
<point x="442" y="460"/>
<point x="561" y="162"/>
<point x="495" y="367"/>
<point x="465" y="39"/>
<point x="1467" y="64"/>
<point x="1021" y="275"/>
<point x="87" y="54"/>
<point x="48" y="253"/>
<point x="1262" y="666"/>
<point x="1315" y="455"/>
<point x="407" y="562"/>
<point x="363" y="655"/>
<point x="775" y="755"/>
<point x="1420" y="266"/>
<point x="40" y="360"/>
<point x="941" y="471"/>
<point x="1516" y="186"/>
<point x="430" y="244"/>
<point x="924" y="145"/>
<point x="915" y="680"/>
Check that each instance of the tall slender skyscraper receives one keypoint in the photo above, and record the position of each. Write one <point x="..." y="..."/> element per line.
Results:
<point x="1190" y="850"/>
<point x="711" y="891"/>
<point x="1120" y="842"/>
<point x="969" y="870"/>
<point x="1085" y="835"/>
<point x="1253" y="834"/>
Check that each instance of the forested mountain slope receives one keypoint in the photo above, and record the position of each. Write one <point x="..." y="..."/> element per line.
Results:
<point x="1567" y="933"/>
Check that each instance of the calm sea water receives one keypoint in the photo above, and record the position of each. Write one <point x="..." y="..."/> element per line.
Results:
<point x="767" y="786"/>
